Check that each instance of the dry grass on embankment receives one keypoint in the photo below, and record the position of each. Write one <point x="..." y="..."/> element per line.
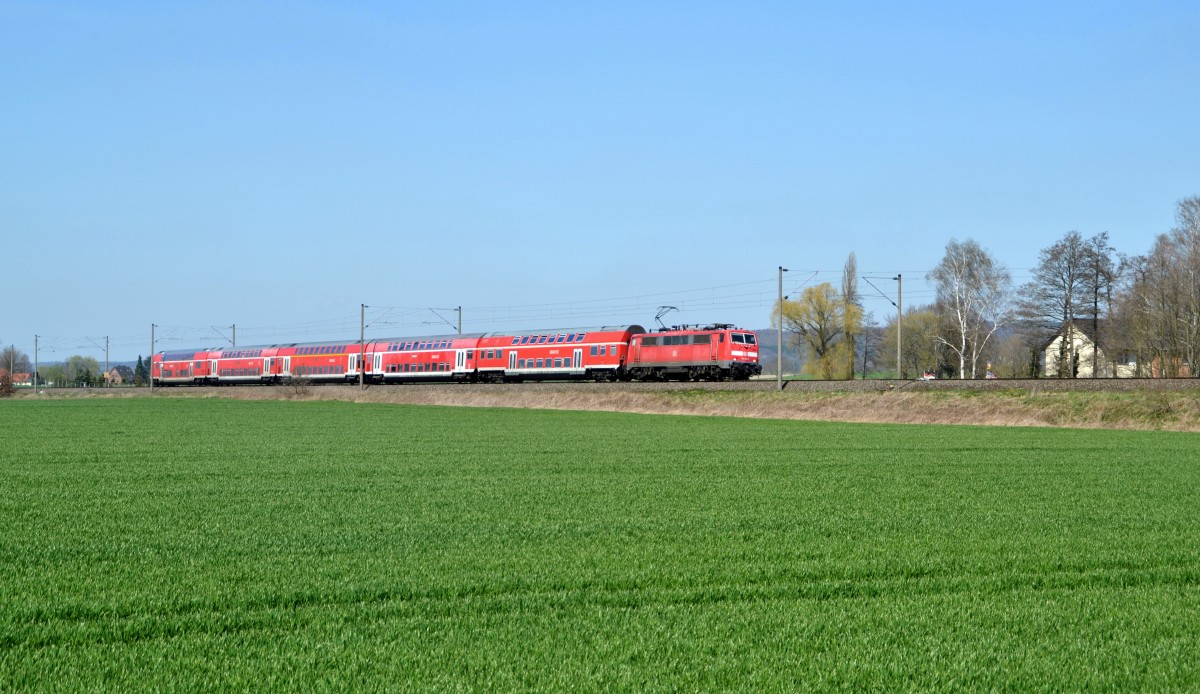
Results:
<point x="1147" y="407"/>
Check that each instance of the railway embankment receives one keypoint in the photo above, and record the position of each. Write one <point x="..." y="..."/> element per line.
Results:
<point x="1162" y="404"/>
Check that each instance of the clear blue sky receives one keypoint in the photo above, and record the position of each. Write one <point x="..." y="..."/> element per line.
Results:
<point x="275" y="165"/>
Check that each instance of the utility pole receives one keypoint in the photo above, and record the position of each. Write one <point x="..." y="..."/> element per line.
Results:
<point x="233" y="332"/>
<point x="779" y="356"/>
<point x="459" y="309"/>
<point x="106" y="370"/>
<point x="151" y="369"/>
<point x="35" y="364"/>
<point x="899" y="315"/>
<point x="362" y="345"/>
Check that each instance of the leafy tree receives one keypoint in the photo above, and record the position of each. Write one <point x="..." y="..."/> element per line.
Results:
<point x="54" y="374"/>
<point x="817" y="321"/>
<point x="81" y="371"/>
<point x="973" y="297"/>
<point x="140" y="373"/>
<point x="920" y="349"/>
<point x="852" y="312"/>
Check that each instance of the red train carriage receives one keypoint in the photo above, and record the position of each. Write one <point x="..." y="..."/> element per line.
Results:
<point x="422" y="359"/>
<point x="713" y="353"/>
<point x="181" y="367"/>
<point x="241" y="365"/>
<point x="320" y="362"/>
<point x="598" y="354"/>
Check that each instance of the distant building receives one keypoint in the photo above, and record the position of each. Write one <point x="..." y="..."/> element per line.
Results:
<point x="19" y="379"/>
<point x="1072" y="353"/>
<point x="119" y="375"/>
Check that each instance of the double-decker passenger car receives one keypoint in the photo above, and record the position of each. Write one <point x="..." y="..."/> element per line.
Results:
<point x="422" y="359"/>
<point x="594" y="354"/>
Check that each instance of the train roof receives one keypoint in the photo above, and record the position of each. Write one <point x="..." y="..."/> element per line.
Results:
<point x="423" y="338"/>
<point x="569" y="331"/>
<point x="701" y="328"/>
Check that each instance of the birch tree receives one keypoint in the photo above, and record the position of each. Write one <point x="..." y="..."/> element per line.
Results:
<point x="973" y="299"/>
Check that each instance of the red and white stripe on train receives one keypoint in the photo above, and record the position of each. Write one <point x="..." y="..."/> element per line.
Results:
<point x="611" y="353"/>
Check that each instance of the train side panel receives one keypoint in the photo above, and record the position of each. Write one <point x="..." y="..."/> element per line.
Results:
<point x="588" y="353"/>
<point x="700" y="354"/>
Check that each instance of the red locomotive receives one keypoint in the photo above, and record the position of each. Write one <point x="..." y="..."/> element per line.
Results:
<point x="611" y="353"/>
<point x="713" y="353"/>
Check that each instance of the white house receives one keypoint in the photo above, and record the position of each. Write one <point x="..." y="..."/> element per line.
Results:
<point x="1073" y="347"/>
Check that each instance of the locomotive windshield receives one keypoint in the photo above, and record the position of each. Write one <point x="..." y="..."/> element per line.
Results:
<point x="743" y="338"/>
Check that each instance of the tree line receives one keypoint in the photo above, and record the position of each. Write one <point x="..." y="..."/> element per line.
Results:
<point x="78" y="371"/>
<point x="1087" y="309"/>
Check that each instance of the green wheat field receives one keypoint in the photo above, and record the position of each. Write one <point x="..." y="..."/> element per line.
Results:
<point x="215" y="545"/>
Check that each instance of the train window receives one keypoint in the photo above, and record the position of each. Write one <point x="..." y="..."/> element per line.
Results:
<point x="751" y="339"/>
<point x="579" y="337"/>
<point x="470" y="354"/>
<point x="520" y="363"/>
<point x="703" y="339"/>
<point x="570" y="338"/>
<point x="539" y="363"/>
<point x="557" y="363"/>
<point x="499" y="354"/>
<point x="737" y="339"/>
<point x="560" y="338"/>
<point x="593" y="352"/>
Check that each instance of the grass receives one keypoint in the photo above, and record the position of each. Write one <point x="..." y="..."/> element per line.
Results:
<point x="214" y="544"/>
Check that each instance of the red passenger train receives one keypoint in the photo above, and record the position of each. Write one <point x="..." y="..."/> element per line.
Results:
<point x="612" y="353"/>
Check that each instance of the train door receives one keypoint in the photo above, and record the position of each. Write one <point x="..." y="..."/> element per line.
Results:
<point x="578" y="358"/>
<point x="287" y="367"/>
<point x="636" y="356"/>
<point x="352" y="365"/>
<point x="378" y="362"/>
<point x="266" y="370"/>
<point x="512" y="360"/>
<point x="460" y="360"/>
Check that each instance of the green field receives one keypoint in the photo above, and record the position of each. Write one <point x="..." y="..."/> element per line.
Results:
<point x="212" y="545"/>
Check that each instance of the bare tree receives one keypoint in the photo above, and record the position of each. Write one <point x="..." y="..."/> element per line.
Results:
<point x="1100" y="277"/>
<point x="1056" y="294"/>
<point x="15" y="361"/>
<point x="973" y="297"/>
<point x="1158" y="305"/>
